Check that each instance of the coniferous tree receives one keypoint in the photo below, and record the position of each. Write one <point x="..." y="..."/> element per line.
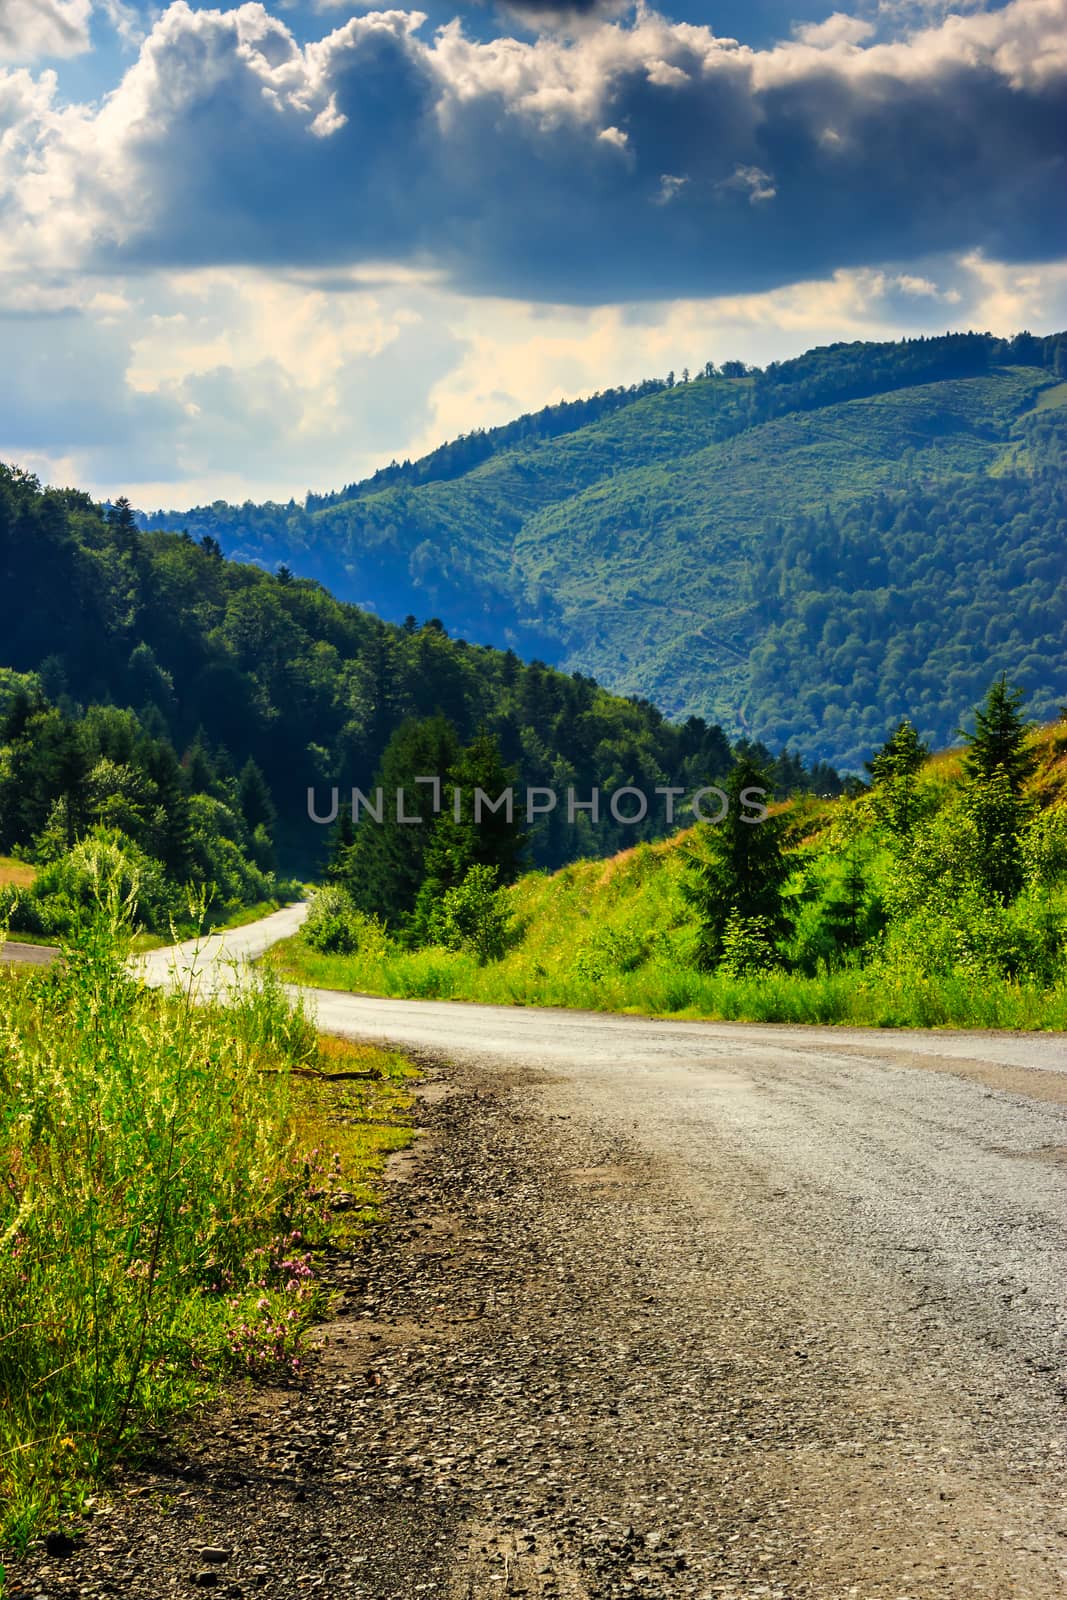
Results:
<point x="737" y="866"/>
<point x="254" y="798"/>
<point x="384" y="867"/>
<point x="894" y="770"/>
<point x="999" y="815"/>
<point x="120" y="515"/>
<point x="997" y="763"/>
<point x="467" y="833"/>
<point x="173" y="822"/>
<point x="999" y="737"/>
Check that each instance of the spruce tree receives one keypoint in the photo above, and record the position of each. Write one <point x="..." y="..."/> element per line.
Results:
<point x="737" y="867"/>
<point x="999" y="737"/>
<point x="383" y="868"/>
<point x="894" y="771"/>
<point x="997" y="764"/>
<point x="460" y="839"/>
<point x="254" y="798"/>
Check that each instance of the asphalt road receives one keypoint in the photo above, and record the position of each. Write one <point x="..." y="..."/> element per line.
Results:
<point x="855" y="1244"/>
<point x="27" y="955"/>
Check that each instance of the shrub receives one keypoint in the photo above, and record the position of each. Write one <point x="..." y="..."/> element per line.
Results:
<point x="335" y="927"/>
<point x="975" y="936"/>
<point x="473" y="916"/>
<point x="104" y="864"/>
<point x="612" y="950"/>
<point x="748" y="947"/>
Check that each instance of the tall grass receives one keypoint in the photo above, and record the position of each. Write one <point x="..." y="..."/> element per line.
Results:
<point x="161" y="1200"/>
<point x="667" y="985"/>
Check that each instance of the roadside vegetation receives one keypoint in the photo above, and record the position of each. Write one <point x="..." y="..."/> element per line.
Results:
<point x="172" y="1178"/>
<point x="934" y="895"/>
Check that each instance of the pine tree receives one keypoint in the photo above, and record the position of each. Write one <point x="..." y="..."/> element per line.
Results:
<point x="198" y="766"/>
<point x="254" y="798"/>
<point x="120" y="515"/>
<point x="173" y="822"/>
<point x="737" y="867"/>
<point x="1000" y="816"/>
<point x="996" y="765"/>
<point x="384" y="867"/>
<point x="894" y="770"/>
<point x="489" y="839"/>
<point x="999" y="737"/>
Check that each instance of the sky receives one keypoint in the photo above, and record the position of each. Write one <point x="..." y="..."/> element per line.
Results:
<point x="250" y="251"/>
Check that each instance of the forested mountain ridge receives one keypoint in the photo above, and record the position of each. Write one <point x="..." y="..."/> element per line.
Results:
<point x="140" y="672"/>
<point x="644" y="547"/>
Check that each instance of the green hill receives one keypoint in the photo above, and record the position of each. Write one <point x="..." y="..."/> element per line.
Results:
<point x="798" y="553"/>
<point x="881" y="927"/>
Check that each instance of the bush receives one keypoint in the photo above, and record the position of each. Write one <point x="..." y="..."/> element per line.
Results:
<point x="612" y="950"/>
<point x="104" y="864"/>
<point x="473" y="916"/>
<point x="334" y="927"/>
<point x="218" y="856"/>
<point x="975" y="937"/>
<point x="748" y="947"/>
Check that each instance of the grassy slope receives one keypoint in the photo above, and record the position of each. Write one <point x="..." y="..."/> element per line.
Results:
<point x="617" y="935"/>
<point x="20" y="873"/>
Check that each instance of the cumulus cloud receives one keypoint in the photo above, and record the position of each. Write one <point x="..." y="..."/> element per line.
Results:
<point x="33" y="28"/>
<point x="236" y="381"/>
<point x="837" y="29"/>
<point x="646" y="159"/>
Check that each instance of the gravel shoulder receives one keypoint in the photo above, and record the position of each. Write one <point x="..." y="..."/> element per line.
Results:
<point x="771" y="1324"/>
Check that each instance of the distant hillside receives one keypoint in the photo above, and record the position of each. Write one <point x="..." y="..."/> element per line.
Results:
<point x="799" y="553"/>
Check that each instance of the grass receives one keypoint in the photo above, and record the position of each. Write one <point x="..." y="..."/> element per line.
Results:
<point x="18" y="873"/>
<point x="671" y="988"/>
<point x="169" y="1175"/>
<point x="619" y="935"/>
<point x="217" y="920"/>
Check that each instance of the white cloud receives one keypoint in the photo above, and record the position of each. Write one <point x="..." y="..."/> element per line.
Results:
<point x="838" y="29"/>
<point x="30" y="29"/>
<point x="753" y="181"/>
<point x="670" y="187"/>
<point x="231" y="383"/>
<point x="125" y="19"/>
<point x="259" y="266"/>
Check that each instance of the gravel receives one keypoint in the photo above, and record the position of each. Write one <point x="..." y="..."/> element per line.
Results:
<point x="717" y="1320"/>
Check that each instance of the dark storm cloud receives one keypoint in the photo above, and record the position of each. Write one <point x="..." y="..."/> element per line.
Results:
<point x="645" y="160"/>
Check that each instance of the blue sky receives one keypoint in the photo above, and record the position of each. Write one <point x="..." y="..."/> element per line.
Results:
<point x="249" y="250"/>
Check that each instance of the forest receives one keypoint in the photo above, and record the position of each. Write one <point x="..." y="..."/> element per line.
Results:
<point x="166" y="710"/>
<point x="933" y="892"/>
<point x="641" y="547"/>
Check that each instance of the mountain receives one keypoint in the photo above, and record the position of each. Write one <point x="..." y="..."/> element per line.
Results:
<point x="125" y="653"/>
<point x="802" y="553"/>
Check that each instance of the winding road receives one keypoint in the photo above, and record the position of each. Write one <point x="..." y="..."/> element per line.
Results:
<point x="807" y="1286"/>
